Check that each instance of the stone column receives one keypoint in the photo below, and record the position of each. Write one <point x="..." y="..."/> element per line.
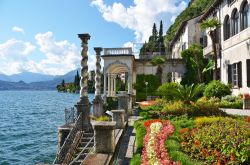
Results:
<point x="115" y="85"/>
<point x="119" y="118"/>
<point x="104" y="137"/>
<point x="123" y="100"/>
<point x="105" y="85"/>
<point x="108" y="85"/>
<point x="112" y="85"/>
<point x="83" y="106"/>
<point x="98" y="102"/>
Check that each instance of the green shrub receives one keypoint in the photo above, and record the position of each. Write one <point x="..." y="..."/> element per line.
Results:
<point x="217" y="89"/>
<point x="112" y="103"/>
<point x="102" y="118"/>
<point x="166" y="90"/>
<point x="140" y="86"/>
<point x="206" y="107"/>
<point x="176" y="108"/>
<point x="140" y="133"/>
<point x="231" y="102"/>
<point x="136" y="160"/>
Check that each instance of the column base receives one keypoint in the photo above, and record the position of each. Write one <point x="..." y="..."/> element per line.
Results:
<point x="98" y="106"/>
<point x="83" y="107"/>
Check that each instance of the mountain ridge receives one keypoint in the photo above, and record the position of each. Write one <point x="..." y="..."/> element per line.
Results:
<point x="39" y="85"/>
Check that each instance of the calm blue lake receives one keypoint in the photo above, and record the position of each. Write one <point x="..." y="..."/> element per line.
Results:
<point x="28" y="125"/>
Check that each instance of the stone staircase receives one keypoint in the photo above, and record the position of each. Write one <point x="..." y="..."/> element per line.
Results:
<point x="85" y="146"/>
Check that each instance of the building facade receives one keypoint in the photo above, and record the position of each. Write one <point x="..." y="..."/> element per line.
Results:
<point x="188" y="34"/>
<point x="233" y="42"/>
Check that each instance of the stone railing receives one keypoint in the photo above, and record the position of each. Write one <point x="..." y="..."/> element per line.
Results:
<point x="118" y="51"/>
<point x="69" y="141"/>
<point x="151" y="55"/>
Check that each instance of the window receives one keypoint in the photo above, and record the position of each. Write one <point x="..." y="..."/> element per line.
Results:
<point x="235" y="74"/>
<point x="235" y="22"/>
<point x="245" y="16"/>
<point x="248" y="72"/>
<point x="183" y="47"/>
<point x="226" y="28"/>
<point x="230" y="1"/>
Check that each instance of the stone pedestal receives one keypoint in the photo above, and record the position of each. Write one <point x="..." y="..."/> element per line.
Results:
<point x="84" y="106"/>
<point x="63" y="132"/>
<point x="123" y="101"/>
<point x="246" y="103"/>
<point x="118" y="117"/>
<point x="104" y="136"/>
<point x="98" y="106"/>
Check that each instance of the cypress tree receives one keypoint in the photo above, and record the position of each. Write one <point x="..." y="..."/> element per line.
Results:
<point x="63" y="83"/>
<point x="161" y="47"/>
<point x="154" y="33"/>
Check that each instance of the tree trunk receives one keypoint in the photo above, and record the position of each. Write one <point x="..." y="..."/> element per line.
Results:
<point x="212" y="34"/>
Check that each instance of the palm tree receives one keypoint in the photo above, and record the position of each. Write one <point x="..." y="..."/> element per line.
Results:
<point x="188" y="93"/>
<point x="212" y="25"/>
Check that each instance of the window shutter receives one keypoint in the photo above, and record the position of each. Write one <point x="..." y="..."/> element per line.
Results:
<point x="229" y="72"/>
<point x="239" y="68"/>
<point x="248" y="72"/>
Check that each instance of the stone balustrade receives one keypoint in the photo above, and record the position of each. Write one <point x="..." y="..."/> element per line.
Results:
<point x="104" y="136"/>
<point x="119" y="118"/>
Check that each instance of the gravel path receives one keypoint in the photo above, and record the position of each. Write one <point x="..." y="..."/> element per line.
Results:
<point x="236" y="111"/>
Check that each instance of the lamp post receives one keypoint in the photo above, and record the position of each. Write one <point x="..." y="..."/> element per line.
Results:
<point x="146" y="83"/>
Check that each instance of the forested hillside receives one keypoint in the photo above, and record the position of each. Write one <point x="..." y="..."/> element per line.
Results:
<point x="194" y="9"/>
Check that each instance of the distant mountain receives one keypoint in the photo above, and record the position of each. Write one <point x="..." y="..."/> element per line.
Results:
<point x="27" y="77"/>
<point x="39" y="85"/>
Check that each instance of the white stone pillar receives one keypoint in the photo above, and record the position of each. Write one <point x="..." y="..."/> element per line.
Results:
<point x="112" y="85"/>
<point x="109" y="84"/>
<point x="129" y="83"/>
<point x="115" y="85"/>
<point x="105" y="85"/>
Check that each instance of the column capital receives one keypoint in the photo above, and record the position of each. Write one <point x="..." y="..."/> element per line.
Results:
<point x="98" y="50"/>
<point x="84" y="37"/>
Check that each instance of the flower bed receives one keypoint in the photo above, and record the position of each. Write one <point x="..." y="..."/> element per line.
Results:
<point x="222" y="142"/>
<point x="154" y="151"/>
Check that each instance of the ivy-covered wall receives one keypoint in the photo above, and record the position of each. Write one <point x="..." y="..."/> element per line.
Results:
<point x="140" y="86"/>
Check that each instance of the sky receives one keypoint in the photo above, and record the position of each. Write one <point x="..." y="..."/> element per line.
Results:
<point x="40" y="36"/>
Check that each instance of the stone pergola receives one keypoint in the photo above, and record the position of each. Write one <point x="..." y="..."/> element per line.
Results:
<point x="117" y="61"/>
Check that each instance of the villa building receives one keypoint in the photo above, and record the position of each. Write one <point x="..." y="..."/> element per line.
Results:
<point x="232" y="42"/>
<point x="188" y="34"/>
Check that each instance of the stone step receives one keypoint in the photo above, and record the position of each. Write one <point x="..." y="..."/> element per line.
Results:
<point x="88" y="134"/>
<point x="86" y="139"/>
<point x="86" y="150"/>
<point x="83" y="144"/>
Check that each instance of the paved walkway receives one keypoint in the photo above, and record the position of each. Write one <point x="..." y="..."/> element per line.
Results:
<point x="240" y="112"/>
<point x="127" y="148"/>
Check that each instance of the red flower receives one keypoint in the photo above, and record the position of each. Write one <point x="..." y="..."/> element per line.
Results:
<point x="149" y="122"/>
<point x="184" y="130"/>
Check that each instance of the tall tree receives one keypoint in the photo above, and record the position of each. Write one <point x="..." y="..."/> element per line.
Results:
<point x="211" y="25"/>
<point x="63" y="83"/>
<point x="154" y="33"/>
<point x="161" y="47"/>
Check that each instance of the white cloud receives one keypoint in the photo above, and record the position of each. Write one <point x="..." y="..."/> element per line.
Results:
<point x="128" y="44"/>
<point x="61" y="56"/>
<point x="140" y="16"/>
<point x="14" y="47"/>
<point x="13" y="55"/>
<point x="17" y="29"/>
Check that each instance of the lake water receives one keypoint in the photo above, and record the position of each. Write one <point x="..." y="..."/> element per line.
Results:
<point x="28" y="125"/>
